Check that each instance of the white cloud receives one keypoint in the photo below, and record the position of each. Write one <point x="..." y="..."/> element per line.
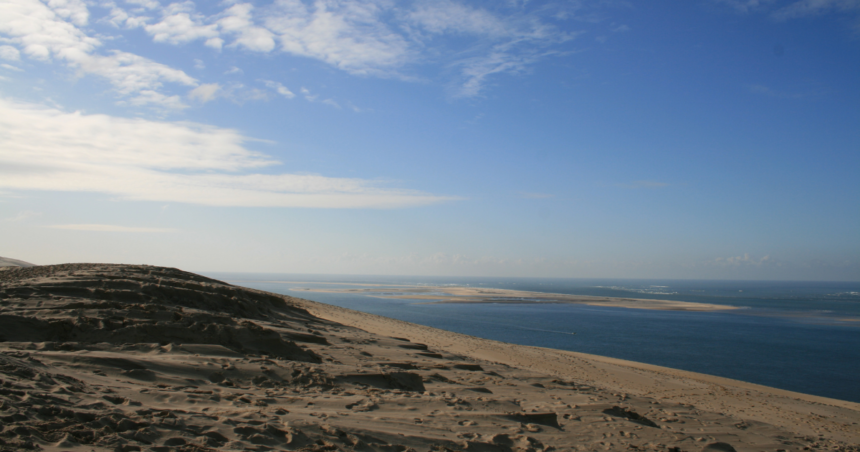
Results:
<point x="279" y="88"/>
<point x="447" y="16"/>
<point x="478" y="69"/>
<point x="145" y="4"/>
<point x="130" y="73"/>
<point x="74" y="10"/>
<point x="41" y="32"/>
<point x="119" y="17"/>
<point x="9" y="53"/>
<point x="154" y="98"/>
<point x="44" y="35"/>
<point x="238" y="20"/>
<point x="205" y="93"/>
<point x="180" y="28"/>
<point x="108" y="228"/>
<point x="364" y="37"/>
<point x="11" y="68"/>
<point x="501" y="44"/>
<point x="350" y="35"/>
<point x="136" y="159"/>
<point x="308" y="96"/>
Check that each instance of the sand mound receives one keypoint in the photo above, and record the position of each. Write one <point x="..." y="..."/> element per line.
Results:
<point x="88" y="303"/>
<point x="129" y="358"/>
<point x="6" y="263"/>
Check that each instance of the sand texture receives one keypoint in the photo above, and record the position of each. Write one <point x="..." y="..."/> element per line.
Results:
<point x="125" y="358"/>
<point x="450" y="294"/>
<point x="7" y="263"/>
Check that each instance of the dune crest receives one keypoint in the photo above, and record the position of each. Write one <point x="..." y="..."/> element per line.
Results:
<point x="6" y="263"/>
<point x="126" y="358"/>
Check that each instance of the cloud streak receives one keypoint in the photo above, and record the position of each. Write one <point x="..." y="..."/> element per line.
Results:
<point x="137" y="159"/>
<point x="109" y="228"/>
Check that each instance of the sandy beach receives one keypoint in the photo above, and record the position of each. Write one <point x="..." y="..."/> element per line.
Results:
<point x="449" y="294"/>
<point x="125" y="358"/>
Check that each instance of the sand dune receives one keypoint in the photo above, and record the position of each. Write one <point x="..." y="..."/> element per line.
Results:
<point x="6" y="263"/>
<point x="125" y="358"/>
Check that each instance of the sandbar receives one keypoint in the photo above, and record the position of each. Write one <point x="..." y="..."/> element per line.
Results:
<point x="453" y="294"/>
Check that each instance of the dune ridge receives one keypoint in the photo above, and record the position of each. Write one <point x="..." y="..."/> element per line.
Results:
<point x="123" y="358"/>
<point x="6" y="263"/>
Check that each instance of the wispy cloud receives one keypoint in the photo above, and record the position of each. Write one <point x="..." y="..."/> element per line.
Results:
<point x="742" y="260"/>
<point x="11" y="68"/>
<point x="467" y="44"/>
<point x="794" y="9"/>
<point x="499" y="44"/>
<point x="51" y="31"/>
<point x="108" y="228"/>
<point x="350" y="35"/>
<point x="179" y="26"/>
<point x="806" y="8"/>
<point x="310" y="97"/>
<point x="137" y="159"/>
<point x="745" y="6"/>
<point x="9" y="53"/>
<point x="279" y="88"/>
<point x="205" y="93"/>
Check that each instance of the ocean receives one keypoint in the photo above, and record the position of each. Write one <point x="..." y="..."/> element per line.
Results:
<point x="798" y="336"/>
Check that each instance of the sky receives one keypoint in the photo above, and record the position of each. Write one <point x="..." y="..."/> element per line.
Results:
<point x="707" y="139"/>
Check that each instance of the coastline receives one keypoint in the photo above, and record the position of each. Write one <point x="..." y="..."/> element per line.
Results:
<point x="804" y="413"/>
<point x="106" y="357"/>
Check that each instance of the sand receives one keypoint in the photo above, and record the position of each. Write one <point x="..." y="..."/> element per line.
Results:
<point x="122" y="358"/>
<point x="7" y="263"/>
<point x="453" y="294"/>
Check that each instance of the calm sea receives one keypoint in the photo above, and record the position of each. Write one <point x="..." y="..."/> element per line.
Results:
<point x="799" y="336"/>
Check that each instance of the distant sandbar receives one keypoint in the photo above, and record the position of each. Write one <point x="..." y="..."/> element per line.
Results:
<point x="447" y="294"/>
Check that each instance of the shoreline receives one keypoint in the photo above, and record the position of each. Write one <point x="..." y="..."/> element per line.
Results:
<point x="106" y="357"/>
<point x="470" y="295"/>
<point x="803" y="413"/>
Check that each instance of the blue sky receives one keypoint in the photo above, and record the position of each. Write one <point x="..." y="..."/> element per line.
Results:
<point x="686" y="139"/>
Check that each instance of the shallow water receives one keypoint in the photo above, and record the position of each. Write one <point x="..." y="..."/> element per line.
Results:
<point x="801" y="337"/>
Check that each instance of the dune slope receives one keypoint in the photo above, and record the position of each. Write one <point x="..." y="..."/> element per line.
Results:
<point x="6" y="262"/>
<point x="125" y="358"/>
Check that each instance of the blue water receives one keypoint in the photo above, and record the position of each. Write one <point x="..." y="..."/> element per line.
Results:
<point x="799" y="336"/>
